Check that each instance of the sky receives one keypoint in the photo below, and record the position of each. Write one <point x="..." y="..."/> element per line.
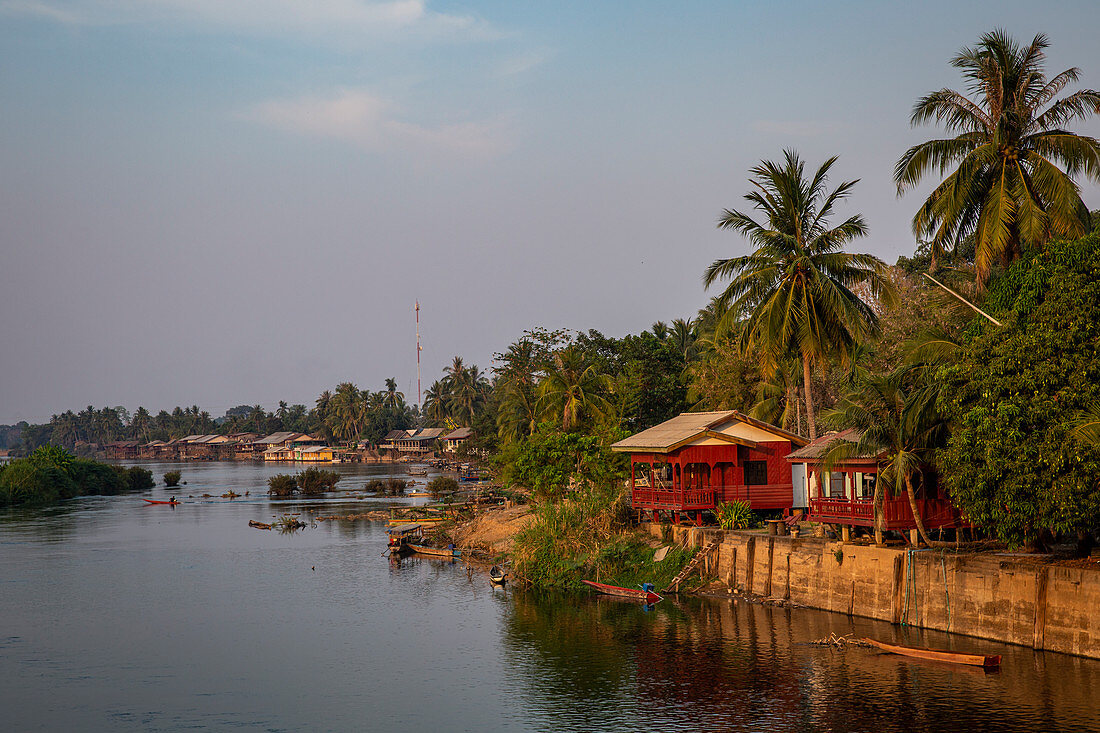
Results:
<point x="224" y="202"/>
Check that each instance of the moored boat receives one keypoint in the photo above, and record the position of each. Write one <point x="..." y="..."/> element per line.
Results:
<point x="402" y="536"/>
<point x="448" y="552"/>
<point x="497" y="575"/>
<point x="644" y="594"/>
<point x="988" y="661"/>
<point x="173" y="502"/>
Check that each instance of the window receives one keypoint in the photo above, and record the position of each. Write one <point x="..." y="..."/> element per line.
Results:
<point x="836" y="485"/>
<point x="756" y="473"/>
<point x="869" y="486"/>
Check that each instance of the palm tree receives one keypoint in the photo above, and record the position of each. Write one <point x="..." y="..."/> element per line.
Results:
<point x="573" y="391"/>
<point x="683" y="335"/>
<point x="897" y="426"/>
<point x="1007" y="187"/>
<point x="435" y="403"/>
<point x="392" y="398"/>
<point x="796" y="288"/>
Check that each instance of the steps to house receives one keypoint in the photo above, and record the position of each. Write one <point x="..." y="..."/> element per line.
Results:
<point x="691" y="567"/>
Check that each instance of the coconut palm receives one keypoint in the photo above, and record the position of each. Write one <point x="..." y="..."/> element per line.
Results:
<point x="573" y="391"/>
<point x="1006" y="187"/>
<point x="796" y="289"/>
<point x="435" y="403"/>
<point x="897" y="425"/>
<point x="683" y="334"/>
<point x="392" y="398"/>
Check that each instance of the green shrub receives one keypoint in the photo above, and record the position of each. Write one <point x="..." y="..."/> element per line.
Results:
<point x="442" y="485"/>
<point x="97" y="479"/>
<point x="172" y="478"/>
<point x="23" y="482"/>
<point x="313" y="481"/>
<point x="282" y="485"/>
<point x="376" y="486"/>
<point x="734" y="514"/>
<point x="136" y="478"/>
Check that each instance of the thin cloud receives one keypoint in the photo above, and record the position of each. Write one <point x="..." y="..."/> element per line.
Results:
<point x="374" y="124"/>
<point x="291" y="17"/>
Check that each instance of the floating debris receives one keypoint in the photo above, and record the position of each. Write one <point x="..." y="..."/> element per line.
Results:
<point x="839" y="642"/>
<point x="258" y="525"/>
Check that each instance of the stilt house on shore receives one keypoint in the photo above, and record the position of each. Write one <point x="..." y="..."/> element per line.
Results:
<point x="844" y="494"/>
<point x="694" y="461"/>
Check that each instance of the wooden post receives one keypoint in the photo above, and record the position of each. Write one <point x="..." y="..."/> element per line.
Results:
<point x="750" y="563"/>
<point x="914" y="538"/>
<point x="771" y="564"/>
<point x="731" y="578"/>
<point x="845" y="533"/>
<point x="787" y="592"/>
<point x="899" y="585"/>
<point x="1041" y="581"/>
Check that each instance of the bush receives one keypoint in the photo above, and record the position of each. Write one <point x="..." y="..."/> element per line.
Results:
<point x="23" y="482"/>
<point x="97" y="479"/>
<point x="313" y="481"/>
<point x="376" y="486"/>
<point x="442" y="485"/>
<point x="172" y="478"/>
<point x="136" y="478"/>
<point x="734" y="514"/>
<point x="282" y="485"/>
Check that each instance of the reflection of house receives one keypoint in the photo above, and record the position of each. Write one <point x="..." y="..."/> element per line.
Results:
<point x="845" y="494"/>
<point x="698" y="459"/>
<point x="452" y="440"/>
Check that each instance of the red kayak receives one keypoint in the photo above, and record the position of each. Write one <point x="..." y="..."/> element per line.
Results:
<point x="646" y="596"/>
<point x="154" y="501"/>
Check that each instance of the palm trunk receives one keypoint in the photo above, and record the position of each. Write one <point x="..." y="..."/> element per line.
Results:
<point x="809" y="396"/>
<point x="916" y="513"/>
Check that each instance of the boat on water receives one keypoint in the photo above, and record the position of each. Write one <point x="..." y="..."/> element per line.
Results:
<point x="402" y="536"/>
<point x="173" y="502"/>
<point x="644" y="594"/>
<point x="988" y="661"/>
<point x="497" y="575"/>
<point x="450" y="552"/>
<point x="417" y="469"/>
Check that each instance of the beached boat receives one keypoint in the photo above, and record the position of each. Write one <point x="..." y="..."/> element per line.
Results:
<point x="448" y="552"/>
<point x="170" y="503"/>
<point x="988" y="661"/>
<point x="644" y="594"/>
<point x="497" y="575"/>
<point x="402" y="536"/>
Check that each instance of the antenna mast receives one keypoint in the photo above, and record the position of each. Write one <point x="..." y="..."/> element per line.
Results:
<point x="418" y="354"/>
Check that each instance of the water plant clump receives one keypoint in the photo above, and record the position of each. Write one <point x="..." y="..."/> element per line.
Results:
<point x="441" y="485"/>
<point x="313" y="481"/>
<point x="172" y="478"/>
<point x="282" y="485"/>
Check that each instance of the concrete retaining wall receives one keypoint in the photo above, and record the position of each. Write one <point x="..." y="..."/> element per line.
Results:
<point x="1015" y="599"/>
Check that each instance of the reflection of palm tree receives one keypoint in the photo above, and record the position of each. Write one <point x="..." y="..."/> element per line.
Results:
<point x="573" y="391"/>
<point x="796" y="287"/>
<point x="1007" y="187"/>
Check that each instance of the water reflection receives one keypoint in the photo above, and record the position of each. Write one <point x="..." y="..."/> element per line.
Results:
<point x="739" y="666"/>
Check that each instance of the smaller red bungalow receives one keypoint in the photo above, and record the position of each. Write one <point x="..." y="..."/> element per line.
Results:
<point x="845" y="495"/>
<point x="698" y="459"/>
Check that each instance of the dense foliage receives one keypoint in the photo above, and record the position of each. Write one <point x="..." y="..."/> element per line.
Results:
<point x="1011" y="462"/>
<point x="51" y="474"/>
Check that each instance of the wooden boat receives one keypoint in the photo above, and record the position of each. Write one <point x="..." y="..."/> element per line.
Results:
<point x="448" y="552"/>
<point x="258" y="525"/>
<point x="642" y="594"/>
<point x="988" y="661"/>
<point x="497" y="575"/>
<point x="418" y="469"/>
<point x="154" y="501"/>
<point x="402" y="536"/>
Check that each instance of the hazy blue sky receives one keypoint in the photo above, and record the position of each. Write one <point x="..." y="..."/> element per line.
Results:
<point x="217" y="202"/>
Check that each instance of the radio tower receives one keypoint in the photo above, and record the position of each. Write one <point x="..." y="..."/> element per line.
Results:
<point x="418" y="355"/>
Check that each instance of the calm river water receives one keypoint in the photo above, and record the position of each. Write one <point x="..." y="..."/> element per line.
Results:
<point x="116" y="615"/>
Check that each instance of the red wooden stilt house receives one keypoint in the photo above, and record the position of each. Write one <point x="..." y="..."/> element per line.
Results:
<point x="844" y="495"/>
<point x="694" y="461"/>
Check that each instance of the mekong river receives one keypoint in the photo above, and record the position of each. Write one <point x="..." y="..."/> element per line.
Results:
<point x="118" y="616"/>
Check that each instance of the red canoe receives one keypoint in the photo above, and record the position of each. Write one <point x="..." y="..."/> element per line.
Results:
<point x="153" y="501"/>
<point x="646" y="596"/>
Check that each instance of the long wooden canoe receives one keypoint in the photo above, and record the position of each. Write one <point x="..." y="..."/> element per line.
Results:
<point x="646" y="596"/>
<point x="435" y="551"/>
<point x="170" y="503"/>
<point x="988" y="661"/>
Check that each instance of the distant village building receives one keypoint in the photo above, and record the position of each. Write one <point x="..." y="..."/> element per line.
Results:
<point x="452" y="440"/>
<point x="694" y="461"/>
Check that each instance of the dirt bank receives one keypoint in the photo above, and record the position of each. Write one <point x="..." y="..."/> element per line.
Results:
<point x="494" y="530"/>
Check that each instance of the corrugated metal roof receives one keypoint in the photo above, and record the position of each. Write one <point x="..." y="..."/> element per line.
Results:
<point x="459" y="434"/>
<point x="687" y="426"/>
<point x="821" y="444"/>
<point x="277" y="438"/>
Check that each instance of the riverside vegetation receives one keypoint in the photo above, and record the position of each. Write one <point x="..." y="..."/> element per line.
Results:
<point x="51" y="474"/>
<point x="805" y="332"/>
